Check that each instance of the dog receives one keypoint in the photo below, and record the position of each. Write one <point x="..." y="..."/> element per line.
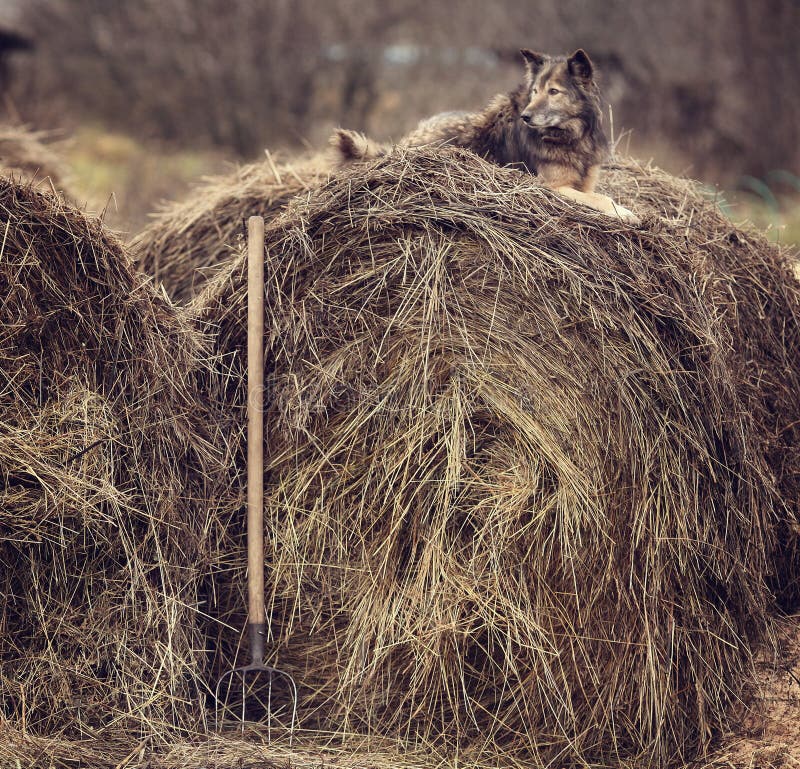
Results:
<point x="549" y="125"/>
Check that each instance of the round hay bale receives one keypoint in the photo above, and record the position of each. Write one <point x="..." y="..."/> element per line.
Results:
<point x="520" y="498"/>
<point x="101" y="536"/>
<point x="186" y="242"/>
<point x="26" y="156"/>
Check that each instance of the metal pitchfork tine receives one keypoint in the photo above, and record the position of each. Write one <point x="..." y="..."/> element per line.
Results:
<point x="256" y="624"/>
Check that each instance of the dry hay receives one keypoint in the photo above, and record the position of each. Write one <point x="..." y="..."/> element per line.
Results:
<point x="185" y="243"/>
<point x="101" y="536"/>
<point x="230" y="750"/>
<point x="763" y="311"/>
<point x="27" y="156"/>
<point x="520" y="459"/>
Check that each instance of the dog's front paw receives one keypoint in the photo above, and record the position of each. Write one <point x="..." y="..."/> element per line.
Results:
<point x="607" y="206"/>
<point x="623" y="213"/>
<point x="602" y="203"/>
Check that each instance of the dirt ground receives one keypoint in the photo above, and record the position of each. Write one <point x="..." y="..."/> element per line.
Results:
<point x="770" y="733"/>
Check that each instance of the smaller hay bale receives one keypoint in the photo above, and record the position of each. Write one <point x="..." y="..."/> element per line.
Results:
<point x="186" y="241"/>
<point x="102" y="537"/>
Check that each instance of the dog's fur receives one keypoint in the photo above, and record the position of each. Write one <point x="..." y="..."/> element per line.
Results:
<point x="550" y="125"/>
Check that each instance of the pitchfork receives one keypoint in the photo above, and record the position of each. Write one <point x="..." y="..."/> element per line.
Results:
<point x="256" y="624"/>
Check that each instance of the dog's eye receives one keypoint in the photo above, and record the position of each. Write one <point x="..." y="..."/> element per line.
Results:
<point x="554" y="92"/>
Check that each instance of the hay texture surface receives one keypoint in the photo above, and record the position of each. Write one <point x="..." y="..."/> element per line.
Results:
<point x="521" y="494"/>
<point x="529" y="471"/>
<point x="100" y="541"/>
<point x="760" y="303"/>
<point x="188" y="240"/>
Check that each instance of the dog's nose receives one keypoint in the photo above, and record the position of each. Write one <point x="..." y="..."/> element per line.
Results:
<point x="526" y="117"/>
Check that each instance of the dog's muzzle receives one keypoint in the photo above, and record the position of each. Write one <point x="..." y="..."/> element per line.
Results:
<point x="534" y="123"/>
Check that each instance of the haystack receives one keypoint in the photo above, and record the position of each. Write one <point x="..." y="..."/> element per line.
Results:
<point x="28" y="156"/>
<point x="188" y="240"/>
<point x="101" y="535"/>
<point x="521" y="482"/>
<point x="528" y="471"/>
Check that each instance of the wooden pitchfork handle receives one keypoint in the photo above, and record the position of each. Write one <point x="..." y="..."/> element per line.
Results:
<point x="255" y="438"/>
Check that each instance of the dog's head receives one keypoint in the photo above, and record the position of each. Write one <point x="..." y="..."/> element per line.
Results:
<point x="562" y="96"/>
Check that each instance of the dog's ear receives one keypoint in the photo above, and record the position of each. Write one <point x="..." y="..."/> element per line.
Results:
<point x="352" y="145"/>
<point x="533" y="60"/>
<point x="580" y="65"/>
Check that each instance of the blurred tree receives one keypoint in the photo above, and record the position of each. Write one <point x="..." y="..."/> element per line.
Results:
<point x="713" y="81"/>
<point x="236" y="73"/>
<point x="231" y="73"/>
<point x="10" y="42"/>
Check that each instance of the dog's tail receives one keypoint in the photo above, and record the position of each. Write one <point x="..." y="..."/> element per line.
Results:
<point x="352" y="145"/>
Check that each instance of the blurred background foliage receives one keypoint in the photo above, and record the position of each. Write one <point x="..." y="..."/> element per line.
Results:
<point x="158" y="92"/>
